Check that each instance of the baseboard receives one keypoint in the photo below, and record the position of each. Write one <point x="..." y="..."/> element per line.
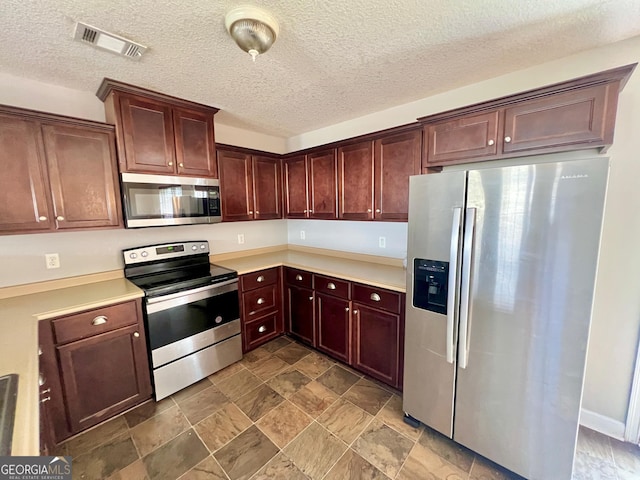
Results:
<point x="605" y="425"/>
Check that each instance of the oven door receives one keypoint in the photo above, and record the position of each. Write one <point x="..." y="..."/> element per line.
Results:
<point x="183" y="323"/>
<point x="157" y="200"/>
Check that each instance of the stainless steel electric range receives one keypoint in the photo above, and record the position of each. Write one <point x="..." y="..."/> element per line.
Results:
<point x="192" y="313"/>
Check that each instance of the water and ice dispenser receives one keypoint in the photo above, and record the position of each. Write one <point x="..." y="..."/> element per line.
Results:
<point x="430" y="279"/>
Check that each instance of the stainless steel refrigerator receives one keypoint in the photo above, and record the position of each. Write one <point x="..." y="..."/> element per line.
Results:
<point x="500" y="279"/>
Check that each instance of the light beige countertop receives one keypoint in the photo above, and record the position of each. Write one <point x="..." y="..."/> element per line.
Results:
<point x="380" y="272"/>
<point x="19" y="341"/>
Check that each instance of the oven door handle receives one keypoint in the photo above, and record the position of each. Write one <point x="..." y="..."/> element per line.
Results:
<point x="158" y="304"/>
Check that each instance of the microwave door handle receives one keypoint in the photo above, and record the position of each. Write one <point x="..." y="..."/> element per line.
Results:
<point x="454" y="253"/>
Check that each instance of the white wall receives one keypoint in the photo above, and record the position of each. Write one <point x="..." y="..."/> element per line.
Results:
<point x="358" y="237"/>
<point x="616" y="315"/>
<point x="81" y="253"/>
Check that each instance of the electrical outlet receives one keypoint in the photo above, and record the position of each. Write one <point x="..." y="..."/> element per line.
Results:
<point x="52" y="259"/>
<point x="302" y="235"/>
<point x="382" y="242"/>
<point x="240" y="238"/>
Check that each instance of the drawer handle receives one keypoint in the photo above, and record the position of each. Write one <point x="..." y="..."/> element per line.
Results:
<point x="100" y="320"/>
<point x="260" y="301"/>
<point x="42" y="218"/>
<point x="262" y="329"/>
<point x="299" y="278"/>
<point x="260" y="279"/>
<point x="375" y="297"/>
<point x="331" y="286"/>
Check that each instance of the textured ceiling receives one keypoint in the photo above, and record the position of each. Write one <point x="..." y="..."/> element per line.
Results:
<point x="334" y="60"/>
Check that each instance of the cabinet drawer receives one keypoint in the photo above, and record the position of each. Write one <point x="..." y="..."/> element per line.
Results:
<point x="377" y="297"/>
<point x="260" y="300"/>
<point x="299" y="278"/>
<point x="332" y="286"/>
<point x="93" y="322"/>
<point x="259" y="279"/>
<point x="260" y="330"/>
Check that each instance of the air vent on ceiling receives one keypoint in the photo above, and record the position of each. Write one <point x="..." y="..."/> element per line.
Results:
<point x="108" y="41"/>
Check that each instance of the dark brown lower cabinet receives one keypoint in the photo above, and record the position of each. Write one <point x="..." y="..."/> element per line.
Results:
<point x="103" y="375"/>
<point x="333" y="318"/>
<point x="299" y="313"/>
<point x="94" y="365"/>
<point x="378" y="343"/>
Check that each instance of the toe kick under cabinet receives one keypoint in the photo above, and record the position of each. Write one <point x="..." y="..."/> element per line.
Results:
<point x="360" y="325"/>
<point x="93" y="365"/>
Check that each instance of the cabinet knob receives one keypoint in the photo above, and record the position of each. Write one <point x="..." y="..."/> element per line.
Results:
<point x="310" y="298"/>
<point x="491" y="142"/>
<point x="250" y="212"/>
<point x="60" y="218"/>
<point x="181" y="165"/>
<point x="260" y="301"/>
<point x="262" y="329"/>
<point x="346" y="309"/>
<point x="48" y="390"/>
<point x="368" y="210"/>
<point x="99" y="320"/>
<point x="377" y="210"/>
<point x="46" y="399"/>
<point x="355" y="312"/>
<point x="299" y="277"/>
<point x="260" y="279"/>
<point x="310" y="211"/>
<point x="305" y="211"/>
<point x="170" y="164"/>
<point x="42" y="218"/>
<point x="375" y="297"/>
<point x="507" y="139"/>
<point x="136" y="334"/>
<point x="331" y="286"/>
<point x="41" y="380"/>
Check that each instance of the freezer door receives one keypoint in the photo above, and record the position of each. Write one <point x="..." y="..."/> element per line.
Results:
<point x="534" y="256"/>
<point x="435" y="232"/>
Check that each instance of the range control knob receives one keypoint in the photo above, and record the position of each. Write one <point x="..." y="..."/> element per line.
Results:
<point x="194" y="247"/>
<point x="133" y="255"/>
<point x="144" y="253"/>
<point x="203" y="246"/>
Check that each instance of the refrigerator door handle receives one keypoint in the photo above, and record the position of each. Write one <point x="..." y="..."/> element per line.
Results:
<point x="465" y="287"/>
<point x="454" y="253"/>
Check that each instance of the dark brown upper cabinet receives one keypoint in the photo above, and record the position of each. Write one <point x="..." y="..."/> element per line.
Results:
<point x="572" y="115"/>
<point x="60" y="173"/>
<point x="355" y="181"/>
<point x="311" y="186"/>
<point x="249" y="185"/>
<point x="160" y="134"/>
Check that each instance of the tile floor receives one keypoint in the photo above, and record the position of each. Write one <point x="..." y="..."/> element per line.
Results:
<point x="287" y="412"/>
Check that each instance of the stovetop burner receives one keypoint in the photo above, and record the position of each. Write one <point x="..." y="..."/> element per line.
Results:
<point x="169" y="268"/>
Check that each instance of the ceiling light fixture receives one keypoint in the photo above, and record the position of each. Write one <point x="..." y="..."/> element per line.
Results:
<point x="253" y="29"/>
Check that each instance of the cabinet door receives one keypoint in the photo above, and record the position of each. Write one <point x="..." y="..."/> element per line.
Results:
<point x="266" y="188"/>
<point x="24" y="187"/>
<point x="577" y="118"/>
<point x="148" y="139"/>
<point x="397" y="157"/>
<point x="104" y="375"/>
<point x="377" y="343"/>
<point x="299" y="311"/>
<point x="83" y="176"/>
<point x="195" y="144"/>
<point x="236" y="188"/>
<point x="355" y="181"/>
<point x="323" y="185"/>
<point x="472" y="136"/>
<point x="296" y="199"/>
<point x="333" y="326"/>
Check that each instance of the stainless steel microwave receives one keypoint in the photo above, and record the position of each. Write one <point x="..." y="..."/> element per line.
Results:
<point x="158" y="200"/>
